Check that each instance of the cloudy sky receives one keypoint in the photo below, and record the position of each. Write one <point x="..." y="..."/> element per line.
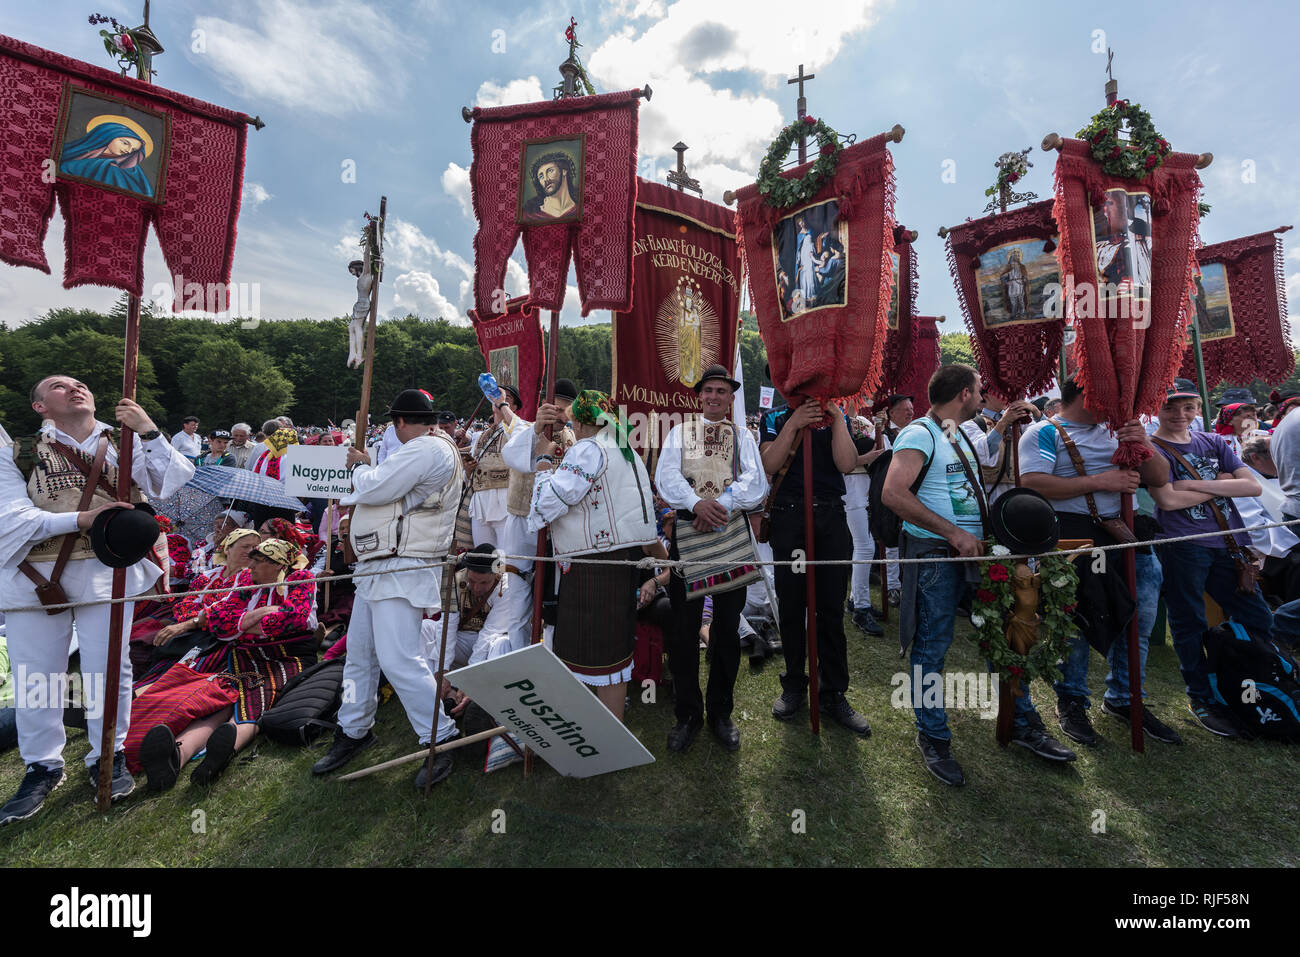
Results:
<point x="379" y="86"/>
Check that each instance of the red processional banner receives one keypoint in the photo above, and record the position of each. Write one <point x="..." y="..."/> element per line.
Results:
<point x="820" y="276"/>
<point x="119" y="154"/>
<point x="513" y="352"/>
<point x="1240" y="303"/>
<point x="924" y="364"/>
<point x="1009" y="286"/>
<point x="1127" y="256"/>
<point x="562" y="173"/>
<point x="900" y="324"/>
<point x="687" y="273"/>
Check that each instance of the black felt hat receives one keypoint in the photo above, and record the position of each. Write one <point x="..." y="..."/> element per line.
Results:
<point x="514" y="394"/>
<point x="566" y="390"/>
<point x="412" y="403"/>
<point x="123" y="536"/>
<point x="716" y="371"/>
<point x="1024" y="521"/>
<point x="480" y="558"/>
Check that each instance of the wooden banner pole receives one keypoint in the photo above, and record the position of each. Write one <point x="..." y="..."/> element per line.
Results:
<point x="448" y="583"/>
<point x="363" y="413"/>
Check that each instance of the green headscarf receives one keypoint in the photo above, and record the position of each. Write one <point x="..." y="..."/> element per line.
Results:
<point x="595" y="408"/>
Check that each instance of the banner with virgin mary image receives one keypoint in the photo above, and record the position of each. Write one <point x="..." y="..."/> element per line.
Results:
<point x="686" y="314"/>
<point x="118" y="154"/>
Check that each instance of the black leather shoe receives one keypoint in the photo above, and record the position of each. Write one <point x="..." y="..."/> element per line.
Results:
<point x="343" y="750"/>
<point x="726" y="732"/>
<point x="159" y="758"/>
<point x="772" y="635"/>
<point x="837" y="707"/>
<point x="220" y="749"/>
<point x="1035" y="737"/>
<point x="866" y="622"/>
<point x="681" y="736"/>
<point x="788" y="705"/>
<point x="939" y="760"/>
<point x="442" y="764"/>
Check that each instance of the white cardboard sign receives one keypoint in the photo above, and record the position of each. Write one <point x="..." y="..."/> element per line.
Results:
<point x="765" y="393"/>
<point x="540" y="701"/>
<point x="316" y="471"/>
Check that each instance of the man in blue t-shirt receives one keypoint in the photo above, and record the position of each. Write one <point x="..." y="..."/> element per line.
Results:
<point x="1203" y="565"/>
<point x="944" y="517"/>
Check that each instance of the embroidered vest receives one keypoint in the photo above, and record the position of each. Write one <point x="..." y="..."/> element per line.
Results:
<point x="55" y="485"/>
<point x="710" y="456"/>
<point x="473" y="613"/>
<point x="616" y="512"/>
<point x="424" y="531"/>
<point x="520" y="491"/>
<point x="492" y="471"/>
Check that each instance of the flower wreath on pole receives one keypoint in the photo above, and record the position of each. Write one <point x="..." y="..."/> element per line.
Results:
<point x="781" y="192"/>
<point x="992" y="607"/>
<point x="1145" y="150"/>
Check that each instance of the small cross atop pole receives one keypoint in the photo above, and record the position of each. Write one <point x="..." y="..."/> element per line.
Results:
<point x="801" y="108"/>
<point x="1112" y="87"/>
<point x="679" y="176"/>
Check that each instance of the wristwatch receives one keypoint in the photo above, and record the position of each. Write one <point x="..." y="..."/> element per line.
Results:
<point x="151" y="434"/>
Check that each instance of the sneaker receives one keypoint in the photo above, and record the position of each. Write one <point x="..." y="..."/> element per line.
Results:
<point x="895" y="597"/>
<point x="1073" y="716"/>
<point x="1153" y="726"/>
<point x="220" y="749"/>
<point x="866" y="622"/>
<point x="37" y="784"/>
<point x="939" y="760"/>
<point x="343" y="750"/>
<point x="837" y="707"/>
<point x="1035" y="737"/>
<point x="122" y="785"/>
<point x="159" y="758"/>
<point x="788" y="705"/>
<point x="442" y="766"/>
<point x="1213" y="717"/>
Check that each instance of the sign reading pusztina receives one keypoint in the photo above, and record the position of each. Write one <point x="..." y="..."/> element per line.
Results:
<point x="547" y="708"/>
<point x="316" y="471"/>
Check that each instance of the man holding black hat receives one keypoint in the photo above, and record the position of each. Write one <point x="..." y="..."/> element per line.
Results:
<point x="1068" y="460"/>
<point x="416" y="490"/>
<point x="57" y="531"/>
<point x="711" y="472"/>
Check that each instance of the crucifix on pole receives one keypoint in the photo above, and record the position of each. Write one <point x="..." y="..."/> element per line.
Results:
<point x="678" y="177"/>
<point x="801" y="108"/>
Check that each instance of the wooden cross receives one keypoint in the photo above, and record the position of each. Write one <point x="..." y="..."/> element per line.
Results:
<point x="801" y="109"/>
<point x="679" y="177"/>
<point x="1110" y="55"/>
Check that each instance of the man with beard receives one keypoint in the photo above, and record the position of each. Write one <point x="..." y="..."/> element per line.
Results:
<point x="553" y="176"/>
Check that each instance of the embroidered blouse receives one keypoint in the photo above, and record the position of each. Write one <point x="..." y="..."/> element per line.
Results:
<point x="296" y="608"/>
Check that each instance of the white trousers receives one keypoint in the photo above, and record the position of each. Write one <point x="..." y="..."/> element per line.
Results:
<point x="385" y="635"/>
<point x="864" y="546"/>
<point x="892" y="568"/>
<point x="38" y="654"/>
<point x="486" y="533"/>
<point x="516" y="539"/>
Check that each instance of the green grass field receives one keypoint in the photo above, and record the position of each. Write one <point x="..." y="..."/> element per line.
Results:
<point x="1209" y="802"/>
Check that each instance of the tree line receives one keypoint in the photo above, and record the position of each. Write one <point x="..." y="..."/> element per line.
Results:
<point x="231" y="371"/>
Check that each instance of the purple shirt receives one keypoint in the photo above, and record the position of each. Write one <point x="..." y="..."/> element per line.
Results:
<point x="1209" y="455"/>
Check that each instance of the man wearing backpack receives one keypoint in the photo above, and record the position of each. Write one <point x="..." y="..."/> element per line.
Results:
<point x="933" y="485"/>
<point x="1087" y="498"/>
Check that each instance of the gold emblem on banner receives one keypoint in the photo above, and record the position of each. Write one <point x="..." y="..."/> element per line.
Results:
<point x="686" y="333"/>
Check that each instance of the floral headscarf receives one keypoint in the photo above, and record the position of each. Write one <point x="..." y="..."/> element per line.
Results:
<point x="595" y="408"/>
<point x="1223" y="425"/>
<point x="285" y="554"/>
<point x="280" y="440"/>
<point x="219" y="556"/>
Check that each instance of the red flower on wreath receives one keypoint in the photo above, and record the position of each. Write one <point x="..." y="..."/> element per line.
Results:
<point x="1016" y="671"/>
<point x="1069" y="609"/>
<point x="1115" y="152"/>
<point x="1012" y="177"/>
<point x="827" y="149"/>
<point x="1163" y="144"/>
<point x="998" y="573"/>
<point x="1152" y="160"/>
<point x="810" y="120"/>
<point x="986" y="596"/>
<point x="128" y="43"/>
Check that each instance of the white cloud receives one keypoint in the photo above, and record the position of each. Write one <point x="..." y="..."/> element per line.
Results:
<point x="419" y="293"/>
<point x="254" y="195"/>
<point x="516" y="91"/>
<point x="455" y="183"/>
<point x="335" y="57"/>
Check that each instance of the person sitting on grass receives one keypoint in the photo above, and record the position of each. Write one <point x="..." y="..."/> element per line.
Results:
<point x="267" y="639"/>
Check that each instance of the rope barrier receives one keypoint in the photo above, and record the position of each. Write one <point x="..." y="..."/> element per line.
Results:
<point x="649" y="562"/>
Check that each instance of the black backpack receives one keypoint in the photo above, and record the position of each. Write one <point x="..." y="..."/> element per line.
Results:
<point x="1255" y="679"/>
<point x="306" y="705"/>
<point x="885" y="525"/>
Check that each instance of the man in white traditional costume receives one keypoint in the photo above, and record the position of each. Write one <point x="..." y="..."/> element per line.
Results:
<point x="46" y="537"/>
<point x="416" y="490"/>
<point x="711" y="472"/>
<point x="490" y="478"/>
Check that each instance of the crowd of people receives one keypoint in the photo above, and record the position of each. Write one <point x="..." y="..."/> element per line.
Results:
<point x="219" y="623"/>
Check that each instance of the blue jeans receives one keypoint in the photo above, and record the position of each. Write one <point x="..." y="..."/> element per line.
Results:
<point x="1286" y="623"/>
<point x="939" y="588"/>
<point x="1074" y="669"/>
<point x="1191" y="570"/>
